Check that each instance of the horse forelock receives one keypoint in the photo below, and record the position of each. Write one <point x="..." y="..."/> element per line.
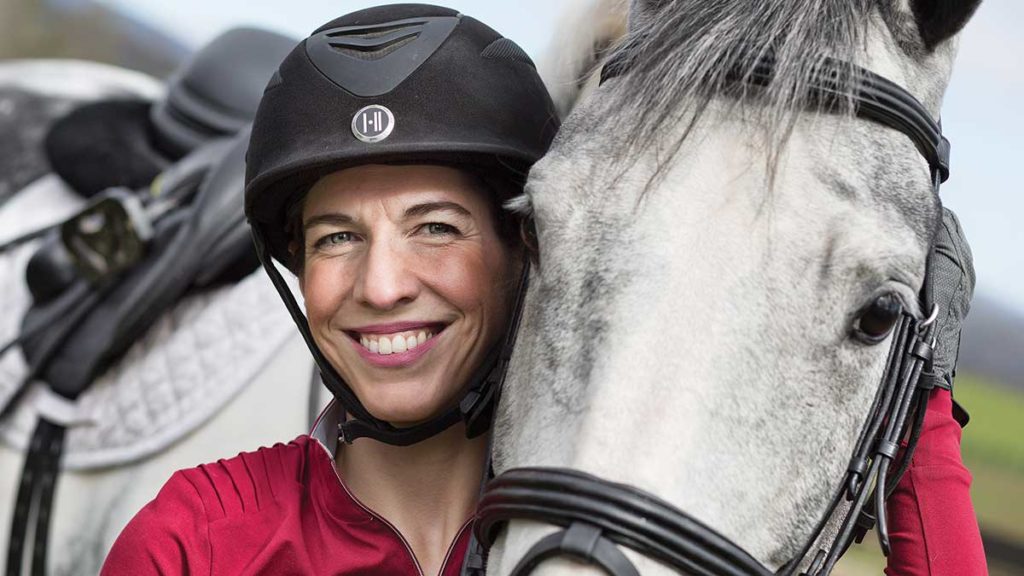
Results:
<point x="588" y="31"/>
<point x="688" y="53"/>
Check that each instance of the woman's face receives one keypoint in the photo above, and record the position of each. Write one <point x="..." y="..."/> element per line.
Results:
<point x="407" y="284"/>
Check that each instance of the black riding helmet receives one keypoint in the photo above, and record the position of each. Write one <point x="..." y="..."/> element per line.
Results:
<point x="407" y="83"/>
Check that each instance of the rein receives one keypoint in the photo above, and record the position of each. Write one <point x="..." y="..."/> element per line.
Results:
<point x="597" y="516"/>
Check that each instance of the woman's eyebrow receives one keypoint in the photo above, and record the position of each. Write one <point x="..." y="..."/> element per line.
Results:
<point x="335" y="218"/>
<point x="428" y="207"/>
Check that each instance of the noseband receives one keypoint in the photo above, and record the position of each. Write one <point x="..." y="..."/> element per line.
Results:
<point x="597" y="516"/>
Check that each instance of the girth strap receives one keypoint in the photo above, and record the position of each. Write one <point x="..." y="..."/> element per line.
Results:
<point x="35" y="493"/>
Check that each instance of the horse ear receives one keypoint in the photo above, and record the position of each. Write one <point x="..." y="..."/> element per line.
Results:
<point x="642" y="11"/>
<point x="939" y="20"/>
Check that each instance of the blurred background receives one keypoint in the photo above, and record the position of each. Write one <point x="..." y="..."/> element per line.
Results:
<point x="982" y="117"/>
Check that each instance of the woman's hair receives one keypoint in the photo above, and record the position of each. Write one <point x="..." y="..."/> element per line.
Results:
<point x="496" y="186"/>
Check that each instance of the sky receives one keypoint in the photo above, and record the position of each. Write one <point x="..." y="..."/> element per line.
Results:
<point x="983" y="114"/>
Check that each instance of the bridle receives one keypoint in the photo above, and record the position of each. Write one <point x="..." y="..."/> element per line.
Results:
<point x="597" y="516"/>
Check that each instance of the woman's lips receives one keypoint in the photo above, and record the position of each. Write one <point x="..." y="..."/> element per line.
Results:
<point x="396" y="327"/>
<point x="395" y="359"/>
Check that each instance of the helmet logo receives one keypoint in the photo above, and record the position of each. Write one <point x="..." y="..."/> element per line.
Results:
<point x="373" y="123"/>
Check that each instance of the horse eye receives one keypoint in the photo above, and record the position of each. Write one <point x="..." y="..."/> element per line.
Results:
<point x="877" y="320"/>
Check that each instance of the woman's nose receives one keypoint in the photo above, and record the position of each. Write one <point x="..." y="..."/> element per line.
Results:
<point x="387" y="280"/>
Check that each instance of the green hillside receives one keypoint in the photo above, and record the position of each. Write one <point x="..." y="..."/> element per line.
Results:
<point x="993" y="450"/>
<point x="994" y="435"/>
<point x="84" y="30"/>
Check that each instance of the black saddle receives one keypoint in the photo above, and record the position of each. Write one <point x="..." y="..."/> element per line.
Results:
<point x="102" y="278"/>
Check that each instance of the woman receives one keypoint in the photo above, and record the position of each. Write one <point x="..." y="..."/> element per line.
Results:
<point x="378" y="162"/>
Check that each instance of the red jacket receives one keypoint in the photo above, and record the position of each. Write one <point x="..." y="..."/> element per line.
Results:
<point x="283" y="510"/>
<point x="932" y="525"/>
<point x="279" y="510"/>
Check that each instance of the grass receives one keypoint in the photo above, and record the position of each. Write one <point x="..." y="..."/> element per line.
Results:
<point x="993" y="450"/>
<point x="998" y="497"/>
<point x="995" y="433"/>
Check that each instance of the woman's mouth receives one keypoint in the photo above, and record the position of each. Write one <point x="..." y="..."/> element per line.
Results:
<point x="385" y="344"/>
<point x="394" y="345"/>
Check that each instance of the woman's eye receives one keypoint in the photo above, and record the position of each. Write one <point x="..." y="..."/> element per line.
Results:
<point x="877" y="320"/>
<point x="335" y="239"/>
<point x="439" y="228"/>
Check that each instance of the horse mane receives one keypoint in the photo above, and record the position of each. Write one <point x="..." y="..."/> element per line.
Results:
<point x="588" y="31"/>
<point x="681" y="54"/>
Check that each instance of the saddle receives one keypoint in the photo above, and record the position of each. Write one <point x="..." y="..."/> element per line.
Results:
<point x="34" y="93"/>
<point x="134" y="261"/>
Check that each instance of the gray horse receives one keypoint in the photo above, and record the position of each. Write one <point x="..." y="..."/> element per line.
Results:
<point x="708" y="256"/>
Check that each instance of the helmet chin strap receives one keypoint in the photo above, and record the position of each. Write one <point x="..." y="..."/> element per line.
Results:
<point x="475" y="409"/>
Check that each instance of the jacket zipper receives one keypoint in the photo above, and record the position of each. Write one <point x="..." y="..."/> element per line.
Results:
<point x="391" y="526"/>
<point x="451" y="547"/>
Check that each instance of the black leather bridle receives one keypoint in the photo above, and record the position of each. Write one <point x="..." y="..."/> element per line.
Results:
<point x="597" y="516"/>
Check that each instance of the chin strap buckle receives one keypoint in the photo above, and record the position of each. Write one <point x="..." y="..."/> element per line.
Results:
<point x="477" y="409"/>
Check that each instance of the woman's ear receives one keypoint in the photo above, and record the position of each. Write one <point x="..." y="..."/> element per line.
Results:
<point x="296" y="259"/>
<point x="939" y="20"/>
<point x="528" y="234"/>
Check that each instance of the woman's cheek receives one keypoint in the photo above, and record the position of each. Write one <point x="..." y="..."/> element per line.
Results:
<point x="466" y="276"/>
<point x="323" y="291"/>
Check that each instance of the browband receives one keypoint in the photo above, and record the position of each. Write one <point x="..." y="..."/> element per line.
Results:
<point x="875" y="98"/>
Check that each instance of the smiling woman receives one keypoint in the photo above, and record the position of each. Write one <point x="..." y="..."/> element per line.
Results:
<point x="406" y="281"/>
<point x="381" y="154"/>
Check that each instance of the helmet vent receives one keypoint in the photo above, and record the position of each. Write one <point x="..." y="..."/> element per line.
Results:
<point x="373" y="43"/>
<point x="373" y="59"/>
<point x="372" y="53"/>
<point x="505" y="49"/>
<point x="367" y="32"/>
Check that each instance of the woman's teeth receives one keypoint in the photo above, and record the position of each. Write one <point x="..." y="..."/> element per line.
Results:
<point x="384" y="344"/>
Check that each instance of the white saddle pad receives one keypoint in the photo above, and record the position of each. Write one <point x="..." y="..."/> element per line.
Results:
<point x="190" y="363"/>
<point x="77" y="79"/>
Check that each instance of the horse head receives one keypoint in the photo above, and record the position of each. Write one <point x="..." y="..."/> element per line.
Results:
<point x="724" y="265"/>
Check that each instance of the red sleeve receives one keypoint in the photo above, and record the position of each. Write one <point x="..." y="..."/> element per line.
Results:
<point x="933" y="529"/>
<point x="168" y="536"/>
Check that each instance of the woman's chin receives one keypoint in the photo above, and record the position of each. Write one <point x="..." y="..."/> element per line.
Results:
<point x="405" y="418"/>
<point x="404" y="411"/>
